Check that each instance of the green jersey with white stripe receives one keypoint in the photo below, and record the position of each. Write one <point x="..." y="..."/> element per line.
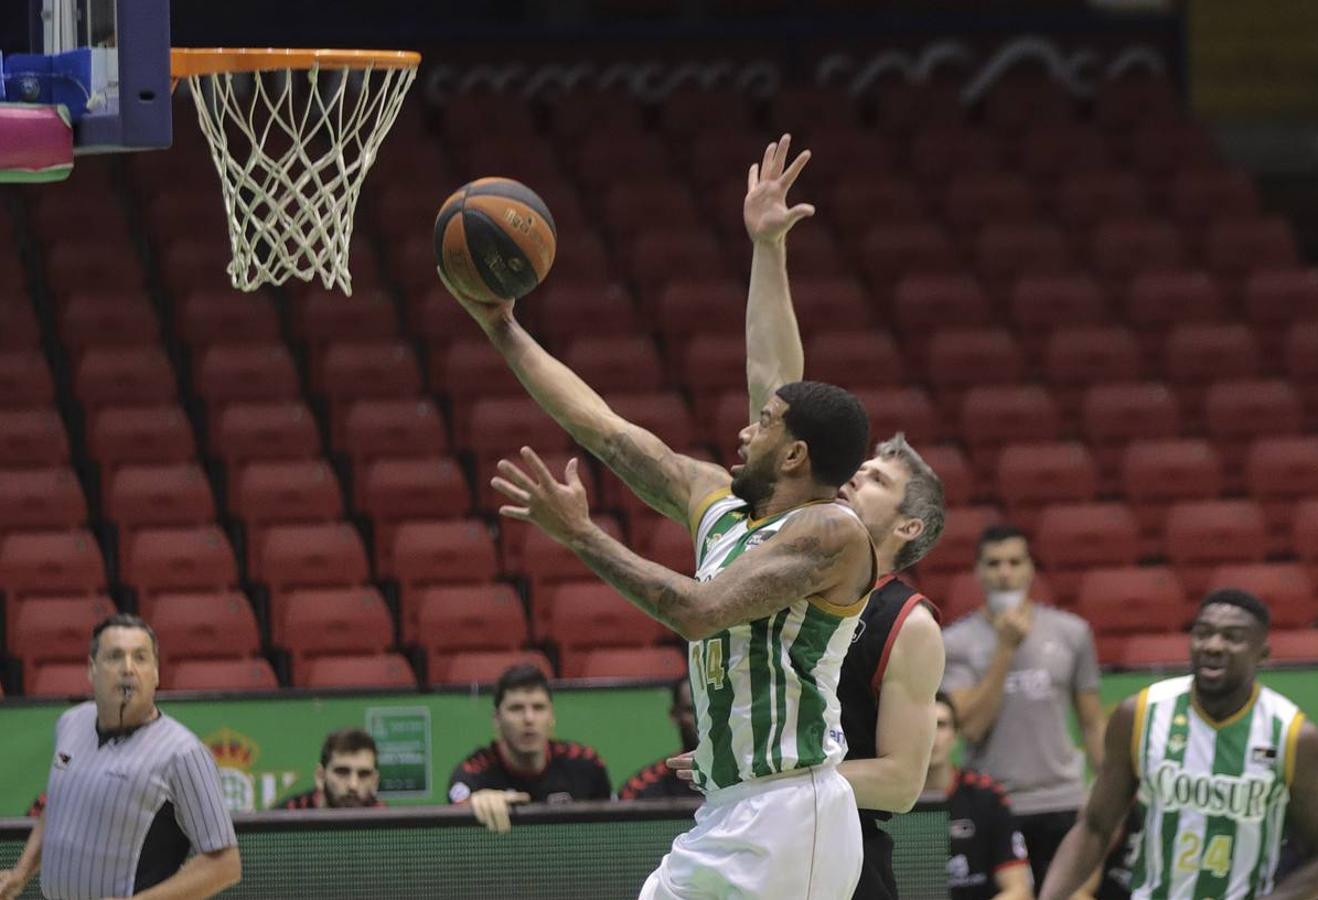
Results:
<point x="1215" y="793"/>
<point x="765" y="691"/>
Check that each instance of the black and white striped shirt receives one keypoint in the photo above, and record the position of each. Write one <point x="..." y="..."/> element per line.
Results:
<point x="123" y="813"/>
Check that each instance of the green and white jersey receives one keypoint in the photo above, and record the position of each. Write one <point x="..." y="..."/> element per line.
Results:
<point x="765" y="692"/>
<point x="1215" y="793"/>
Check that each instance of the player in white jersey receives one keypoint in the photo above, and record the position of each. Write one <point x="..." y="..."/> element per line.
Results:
<point x="784" y="573"/>
<point x="1220" y="765"/>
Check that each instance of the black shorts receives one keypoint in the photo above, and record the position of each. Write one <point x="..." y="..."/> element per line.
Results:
<point x="876" y="878"/>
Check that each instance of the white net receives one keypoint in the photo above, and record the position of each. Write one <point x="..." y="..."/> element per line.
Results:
<point x="293" y="147"/>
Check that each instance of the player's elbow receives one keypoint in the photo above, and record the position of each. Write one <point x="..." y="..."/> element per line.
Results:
<point x="228" y="866"/>
<point x="906" y="796"/>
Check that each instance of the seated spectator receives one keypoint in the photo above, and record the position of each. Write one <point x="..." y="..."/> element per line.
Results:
<point x="987" y="852"/>
<point x="657" y="781"/>
<point x="348" y="775"/>
<point x="523" y="763"/>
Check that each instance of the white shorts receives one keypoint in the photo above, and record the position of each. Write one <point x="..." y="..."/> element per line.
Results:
<point x="791" y="837"/>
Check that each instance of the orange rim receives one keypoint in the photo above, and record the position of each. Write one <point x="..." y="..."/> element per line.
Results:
<point x="188" y="61"/>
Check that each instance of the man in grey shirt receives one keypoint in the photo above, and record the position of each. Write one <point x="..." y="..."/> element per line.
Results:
<point x="131" y="791"/>
<point x="1014" y="668"/>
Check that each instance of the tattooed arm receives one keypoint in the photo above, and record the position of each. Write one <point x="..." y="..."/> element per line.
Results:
<point x="669" y="482"/>
<point x="822" y="553"/>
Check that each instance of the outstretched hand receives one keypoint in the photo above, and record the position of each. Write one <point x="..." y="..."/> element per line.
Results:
<point x="765" y="210"/>
<point x="559" y="508"/>
<point x="683" y="766"/>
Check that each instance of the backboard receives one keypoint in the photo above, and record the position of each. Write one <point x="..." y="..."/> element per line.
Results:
<point x="108" y="61"/>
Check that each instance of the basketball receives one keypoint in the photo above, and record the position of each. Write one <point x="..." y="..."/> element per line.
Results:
<point x="494" y="239"/>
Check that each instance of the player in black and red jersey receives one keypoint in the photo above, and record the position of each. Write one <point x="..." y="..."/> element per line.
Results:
<point x="524" y="764"/>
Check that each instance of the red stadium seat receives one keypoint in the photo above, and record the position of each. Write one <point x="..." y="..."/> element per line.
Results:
<point x="994" y="416"/>
<point x="352" y="371"/>
<point x="1286" y="588"/>
<point x="326" y="554"/>
<point x="1116" y="414"/>
<point x="971" y="202"/>
<point x="1135" y="96"/>
<point x="468" y="370"/>
<point x="940" y="151"/>
<point x="19" y="329"/>
<point x="952" y="468"/>
<point x="544" y="561"/>
<point x="1049" y="150"/>
<point x="1128" y="600"/>
<point x="629" y="207"/>
<point x="1044" y="303"/>
<point x="712" y="366"/>
<point x="426" y="553"/>
<point x="1293" y="646"/>
<point x="484" y="667"/>
<point x="1070" y="539"/>
<point x="1086" y="198"/>
<point x="854" y="359"/>
<point x="1305" y="534"/>
<point x="852" y="203"/>
<point x="906" y="409"/>
<point x="500" y="425"/>
<point x="1158" y="473"/>
<point x="395" y="490"/>
<point x="202" y="626"/>
<point x="226" y="317"/>
<point x="823" y="113"/>
<point x="58" y="679"/>
<point x="686" y="308"/>
<point x="652" y="663"/>
<point x="1025" y="98"/>
<point x="1279" y="471"/>
<point x="488" y="499"/>
<point x="566" y="310"/>
<point x="25" y="379"/>
<point x="248" y="431"/>
<point x="689" y="111"/>
<point x="621" y="362"/>
<point x="886" y="254"/>
<point x="140" y="435"/>
<point x="1302" y="364"/>
<point x="176" y="495"/>
<point x="653" y="258"/>
<point x="958" y="360"/>
<point x="1166" y="651"/>
<point x="608" y="156"/>
<point x="249" y="373"/>
<point x="1005" y="253"/>
<point x="382" y="670"/>
<point x="577" y="114"/>
<point x="1122" y="249"/>
<point x="470" y="617"/>
<point x="50" y="563"/>
<point x="37" y="499"/>
<point x="1031" y="476"/>
<point x="1076" y="358"/>
<point x="333" y="623"/>
<point x="1208" y="533"/>
<point x="666" y="542"/>
<point x="219" y="675"/>
<point x="956" y="550"/>
<point x="161" y="560"/>
<point x="1235" y="247"/>
<point x="906" y="104"/>
<point x="124" y="376"/>
<point x="32" y="437"/>
<point x="1237" y="412"/>
<point x="1274" y="299"/>
<point x="583" y="254"/>
<point x="828" y="302"/>
<point x="374" y="429"/>
<point x="1199" y="354"/>
<point x="1158" y="149"/>
<point x="1160" y="300"/>
<point x="583" y="616"/>
<point x="1201" y="195"/>
<point x="46" y="629"/>
<point x="96" y="319"/>
<point x="923" y="304"/>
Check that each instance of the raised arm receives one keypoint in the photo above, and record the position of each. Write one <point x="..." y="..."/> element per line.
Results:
<point x="907" y="720"/>
<point x="773" y="343"/>
<point x="669" y="482"/>
<point x="1088" y="841"/>
<point x="823" y="554"/>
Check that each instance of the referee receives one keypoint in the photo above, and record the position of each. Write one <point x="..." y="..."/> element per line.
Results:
<point x="131" y="791"/>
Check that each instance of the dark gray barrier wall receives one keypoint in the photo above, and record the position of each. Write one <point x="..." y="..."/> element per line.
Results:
<point x="600" y="851"/>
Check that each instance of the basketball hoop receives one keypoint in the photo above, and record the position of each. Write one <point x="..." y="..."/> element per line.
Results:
<point x="293" y="134"/>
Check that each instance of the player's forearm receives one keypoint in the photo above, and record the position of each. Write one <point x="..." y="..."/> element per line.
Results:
<point x="205" y="875"/>
<point x="557" y="389"/>
<point x="1300" y="884"/>
<point x="660" y="593"/>
<point x="774" y="356"/>
<point x="883" y="784"/>
<point x="977" y="708"/>
<point x="1079" y="854"/>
